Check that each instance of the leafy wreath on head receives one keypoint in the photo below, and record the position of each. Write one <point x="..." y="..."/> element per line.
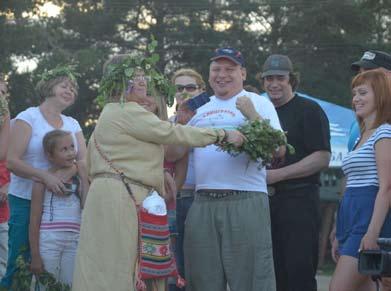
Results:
<point x="117" y="77"/>
<point x="68" y="71"/>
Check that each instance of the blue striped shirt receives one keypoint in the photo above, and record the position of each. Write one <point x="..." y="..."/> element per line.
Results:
<point x="359" y="165"/>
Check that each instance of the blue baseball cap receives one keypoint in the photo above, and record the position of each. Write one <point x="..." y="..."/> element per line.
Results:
<point x="228" y="53"/>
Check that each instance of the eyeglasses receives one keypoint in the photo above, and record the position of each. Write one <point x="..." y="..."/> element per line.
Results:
<point x="188" y="87"/>
<point x="141" y="78"/>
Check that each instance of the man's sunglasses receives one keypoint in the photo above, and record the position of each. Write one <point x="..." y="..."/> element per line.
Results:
<point x="188" y="87"/>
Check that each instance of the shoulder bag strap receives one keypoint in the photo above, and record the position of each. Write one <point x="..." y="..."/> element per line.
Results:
<point x="110" y="163"/>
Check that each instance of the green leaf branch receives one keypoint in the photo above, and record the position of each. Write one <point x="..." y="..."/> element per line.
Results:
<point x="22" y="278"/>
<point x="4" y="110"/>
<point x="262" y="140"/>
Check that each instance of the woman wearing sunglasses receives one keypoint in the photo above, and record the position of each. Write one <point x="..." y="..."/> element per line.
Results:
<point x="188" y="83"/>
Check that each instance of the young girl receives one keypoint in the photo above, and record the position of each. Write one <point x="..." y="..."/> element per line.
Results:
<point x="54" y="219"/>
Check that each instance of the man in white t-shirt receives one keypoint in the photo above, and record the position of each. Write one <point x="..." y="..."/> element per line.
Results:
<point x="227" y="238"/>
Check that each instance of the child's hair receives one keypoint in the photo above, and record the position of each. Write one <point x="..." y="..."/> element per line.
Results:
<point x="50" y="139"/>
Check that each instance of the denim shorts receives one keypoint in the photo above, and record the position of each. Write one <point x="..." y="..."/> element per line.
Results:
<point x="354" y="215"/>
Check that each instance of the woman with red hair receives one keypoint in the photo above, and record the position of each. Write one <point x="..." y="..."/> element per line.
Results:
<point x="364" y="215"/>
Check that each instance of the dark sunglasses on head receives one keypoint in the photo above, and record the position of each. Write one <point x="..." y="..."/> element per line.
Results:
<point x="188" y="87"/>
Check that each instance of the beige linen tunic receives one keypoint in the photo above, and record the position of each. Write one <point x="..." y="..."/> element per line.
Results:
<point x="132" y="139"/>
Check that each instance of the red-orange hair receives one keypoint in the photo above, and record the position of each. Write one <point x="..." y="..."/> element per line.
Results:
<point x="381" y="86"/>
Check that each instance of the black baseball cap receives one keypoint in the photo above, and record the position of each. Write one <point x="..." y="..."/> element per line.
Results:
<point x="372" y="60"/>
<point x="277" y="65"/>
<point x="228" y="53"/>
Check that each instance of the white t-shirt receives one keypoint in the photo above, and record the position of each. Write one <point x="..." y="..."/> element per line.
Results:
<point x="190" y="179"/>
<point x="190" y="176"/>
<point x="215" y="169"/>
<point x="34" y="154"/>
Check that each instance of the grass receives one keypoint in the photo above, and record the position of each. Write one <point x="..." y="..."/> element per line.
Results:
<point x="327" y="269"/>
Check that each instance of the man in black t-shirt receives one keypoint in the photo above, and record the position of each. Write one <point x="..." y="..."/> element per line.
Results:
<point x="295" y="178"/>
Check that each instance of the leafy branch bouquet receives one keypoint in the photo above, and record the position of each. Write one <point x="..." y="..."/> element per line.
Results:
<point x="115" y="81"/>
<point x="4" y="110"/>
<point x="22" y="278"/>
<point x="261" y="142"/>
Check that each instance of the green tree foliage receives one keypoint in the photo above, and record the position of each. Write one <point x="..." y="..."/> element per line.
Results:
<point x="322" y="38"/>
<point x="322" y="41"/>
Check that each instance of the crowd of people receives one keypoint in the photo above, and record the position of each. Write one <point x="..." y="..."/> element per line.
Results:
<point x="76" y="211"/>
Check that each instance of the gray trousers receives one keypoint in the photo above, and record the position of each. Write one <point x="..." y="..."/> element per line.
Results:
<point x="228" y="241"/>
